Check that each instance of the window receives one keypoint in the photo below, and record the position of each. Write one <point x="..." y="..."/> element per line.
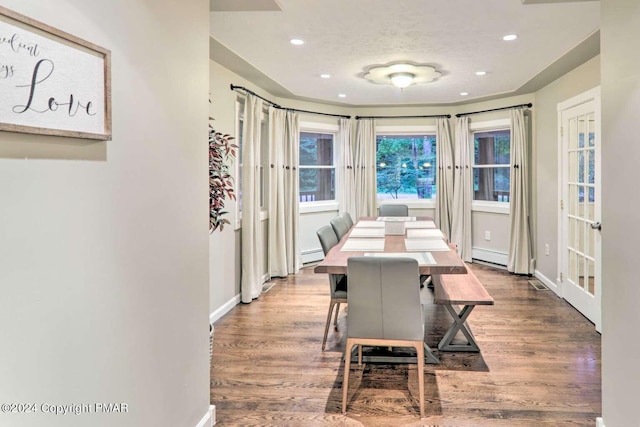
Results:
<point x="491" y="169"/>
<point x="264" y="142"/>
<point x="317" y="167"/>
<point x="406" y="166"/>
<point x="239" y="132"/>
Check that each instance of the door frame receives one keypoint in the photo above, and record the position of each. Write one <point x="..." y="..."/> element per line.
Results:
<point x="588" y="96"/>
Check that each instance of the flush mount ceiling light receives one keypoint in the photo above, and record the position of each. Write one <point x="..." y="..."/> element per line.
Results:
<point x="402" y="75"/>
<point x="402" y="80"/>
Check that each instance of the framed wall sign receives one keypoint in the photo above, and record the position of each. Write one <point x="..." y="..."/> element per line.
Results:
<point x="52" y="83"/>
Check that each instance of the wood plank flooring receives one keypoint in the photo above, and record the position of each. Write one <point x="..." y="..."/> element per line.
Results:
<point x="539" y="365"/>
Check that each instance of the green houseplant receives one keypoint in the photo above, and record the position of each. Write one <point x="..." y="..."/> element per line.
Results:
<point x="222" y="152"/>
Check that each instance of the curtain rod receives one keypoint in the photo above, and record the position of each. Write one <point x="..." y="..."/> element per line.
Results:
<point x="529" y="105"/>
<point x="234" y="87"/>
<point x="434" y="116"/>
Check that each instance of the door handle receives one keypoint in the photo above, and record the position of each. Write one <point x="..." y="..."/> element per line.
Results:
<point x="596" y="226"/>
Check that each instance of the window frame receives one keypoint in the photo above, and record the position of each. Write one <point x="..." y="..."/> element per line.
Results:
<point x="264" y="146"/>
<point x="489" y="206"/>
<point x="320" y="205"/>
<point x="408" y="130"/>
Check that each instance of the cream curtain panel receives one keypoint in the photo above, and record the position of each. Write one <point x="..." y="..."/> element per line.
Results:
<point x="462" y="190"/>
<point x="444" y="178"/>
<point x="252" y="239"/>
<point x="346" y="176"/>
<point x="365" y="169"/>
<point x="284" y="250"/>
<point x="520" y="243"/>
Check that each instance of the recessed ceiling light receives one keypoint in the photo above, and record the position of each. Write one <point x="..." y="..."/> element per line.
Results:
<point x="481" y="73"/>
<point x="325" y="76"/>
<point x="297" y="42"/>
<point x="464" y="93"/>
<point x="510" y="37"/>
<point x="342" y="95"/>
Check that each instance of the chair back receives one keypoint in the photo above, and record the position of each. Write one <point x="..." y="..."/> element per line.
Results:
<point x="340" y="227"/>
<point x="347" y="219"/>
<point x="393" y="210"/>
<point x="384" y="298"/>
<point x="327" y="237"/>
<point x="338" y="282"/>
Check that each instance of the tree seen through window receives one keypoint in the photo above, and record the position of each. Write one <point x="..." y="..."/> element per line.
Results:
<point x="406" y="166"/>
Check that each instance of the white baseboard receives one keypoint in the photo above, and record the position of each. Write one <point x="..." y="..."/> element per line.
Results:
<point x="209" y="419"/>
<point x="311" y="255"/>
<point x="489" y="255"/>
<point x="226" y="307"/>
<point x="548" y="282"/>
<point x="599" y="422"/>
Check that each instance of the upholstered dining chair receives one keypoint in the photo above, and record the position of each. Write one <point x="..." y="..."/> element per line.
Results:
<point x="340" y="226"/>
<point x="337" y="282"/>
<point x="393" y="210"/>
<point x="384" y="310"/>
<point x="347" y="218"/>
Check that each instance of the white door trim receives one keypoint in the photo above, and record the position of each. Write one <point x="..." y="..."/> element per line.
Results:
<point x="576" y="101"/>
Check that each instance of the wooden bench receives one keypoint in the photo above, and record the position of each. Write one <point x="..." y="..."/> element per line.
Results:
<point x="459" y="289"/>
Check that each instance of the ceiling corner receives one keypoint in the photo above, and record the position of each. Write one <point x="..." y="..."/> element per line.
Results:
<point x="526" y="2"/>
<point x="244" y="6"/>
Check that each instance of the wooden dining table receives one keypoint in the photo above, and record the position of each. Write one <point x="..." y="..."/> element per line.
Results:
<point x="335" y="262"/>
<point x="446" y="262"/>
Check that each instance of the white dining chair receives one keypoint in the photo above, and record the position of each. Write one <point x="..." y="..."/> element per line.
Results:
<point x="385" y="311"/>
<point x="393" y="210"/>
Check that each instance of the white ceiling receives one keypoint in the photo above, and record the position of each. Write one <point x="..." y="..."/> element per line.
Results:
<point x="345" y="38"/>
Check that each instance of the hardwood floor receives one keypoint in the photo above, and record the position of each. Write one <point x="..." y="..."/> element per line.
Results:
<point x="539" y="365"/>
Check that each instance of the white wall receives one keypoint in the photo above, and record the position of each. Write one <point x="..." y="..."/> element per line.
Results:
<point x="224" y="246"/>
<point x="620" y="39"/>
<point x="103" y="245"/>
<point x="496" y="248"/>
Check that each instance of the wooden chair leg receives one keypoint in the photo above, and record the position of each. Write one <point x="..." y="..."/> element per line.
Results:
<point x="359" y="355"/>
<point x="335" y="319"/>
<point x="345" y="381"/>
<point x="420" y="355"/>
<point x="326" y="328"/>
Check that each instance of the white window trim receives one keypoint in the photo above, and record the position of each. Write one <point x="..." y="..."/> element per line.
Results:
<point x="499" y="124"/>
<point x="489" y="205"/>
<point x="236" y="166"/>
<point x="319" y="127"/>
<point x="408" y="130"/>
<point x="321" y="205"/>
<point x="264" y="213"/>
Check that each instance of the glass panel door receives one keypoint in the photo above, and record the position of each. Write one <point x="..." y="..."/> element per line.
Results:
<point x="580" y="209"/>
